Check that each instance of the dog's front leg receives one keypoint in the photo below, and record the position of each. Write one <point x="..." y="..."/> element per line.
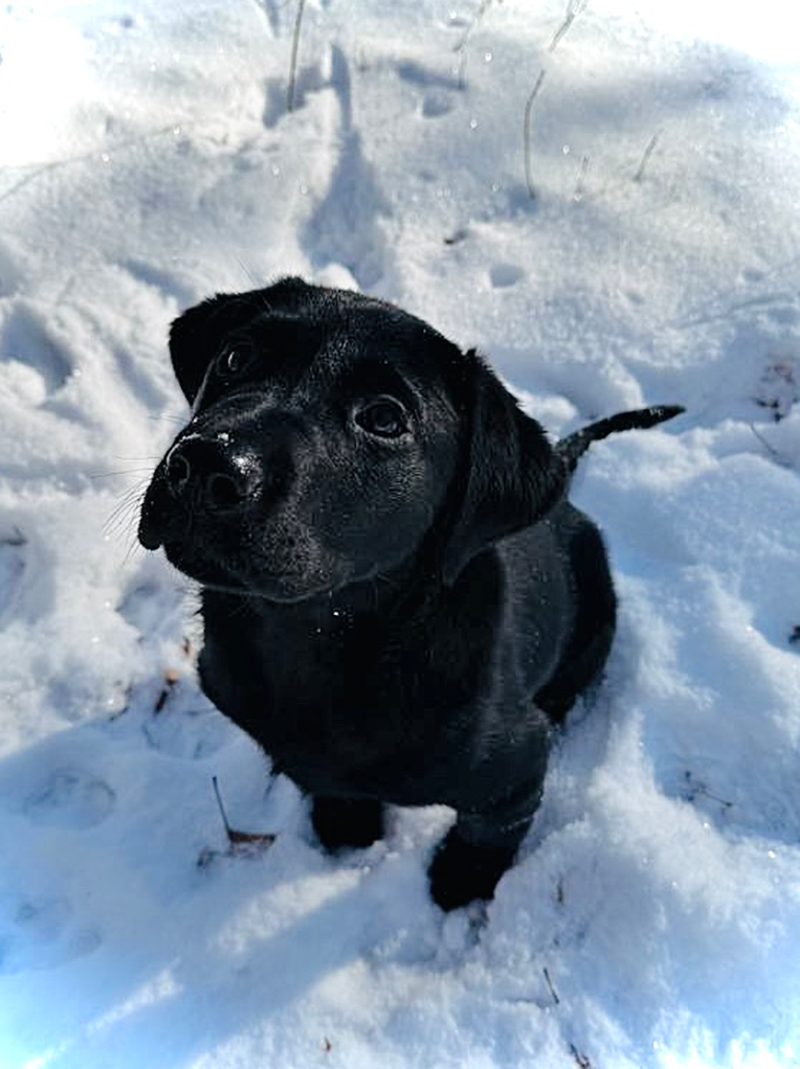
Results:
<point x="478" y="849"/>
<point x="343" y="822"/>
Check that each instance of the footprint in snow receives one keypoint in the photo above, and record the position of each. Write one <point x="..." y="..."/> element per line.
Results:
<point x="26" y="585"/>
<point x="439" y="90"/>
<point x="24" y="340"/>
<point x="437" y="102"/>
<point x="151" y="606"/>
<point x="419" y="74"/>
<point x="503" y="275"/>
<point x="38" y="932"/>
<point x="188" y="734"/>
<point x="13" y="562"/>
<point x="70" y="798"/>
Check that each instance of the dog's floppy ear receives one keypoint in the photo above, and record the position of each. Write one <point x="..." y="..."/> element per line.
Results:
<point x="509" y="475"/>
<point x="195" y="338"/>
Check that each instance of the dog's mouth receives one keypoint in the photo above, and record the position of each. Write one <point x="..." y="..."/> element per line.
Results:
<point x="283" y="587"/>
<point x="159" y="520"/>
<point x="231" y="553"/>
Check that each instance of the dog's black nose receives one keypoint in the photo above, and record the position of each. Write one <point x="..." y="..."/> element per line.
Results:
<point x="212" y="472"/>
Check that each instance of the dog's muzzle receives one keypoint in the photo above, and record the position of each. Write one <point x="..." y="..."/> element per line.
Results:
<point x="198" y="477"/>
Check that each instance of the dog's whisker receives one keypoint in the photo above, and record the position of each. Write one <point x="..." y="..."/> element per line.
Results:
<point x="126" y="508"/>
<point x="136" y="488"/>
<point x="125" y="528"/>
<point x="121" y="471"/>
<point x="163" y="416"/>
<point x="133" y="548"/>
<point x="150" y="458"/>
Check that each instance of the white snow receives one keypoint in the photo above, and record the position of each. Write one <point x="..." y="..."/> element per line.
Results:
<point x="148" y="160"/>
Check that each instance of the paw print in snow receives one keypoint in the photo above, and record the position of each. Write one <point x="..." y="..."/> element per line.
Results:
<point x="70" y="798"/>
<point x="39" y="932"/>
<point x="779" y="386"/>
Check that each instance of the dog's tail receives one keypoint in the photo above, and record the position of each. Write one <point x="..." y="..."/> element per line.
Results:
<point x="572" y="448"/>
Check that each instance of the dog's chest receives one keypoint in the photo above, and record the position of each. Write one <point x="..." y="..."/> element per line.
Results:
<point x="346" y="707"/>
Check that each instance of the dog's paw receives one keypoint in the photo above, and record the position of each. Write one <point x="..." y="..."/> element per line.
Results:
<point x="347" y="822"/>
<point x="461" y="872"/>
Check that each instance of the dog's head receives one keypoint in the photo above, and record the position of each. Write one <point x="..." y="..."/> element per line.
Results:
<point x="331" y="437"/>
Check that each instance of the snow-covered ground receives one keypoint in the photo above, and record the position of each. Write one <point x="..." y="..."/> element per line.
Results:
<point x="148" y="160"/>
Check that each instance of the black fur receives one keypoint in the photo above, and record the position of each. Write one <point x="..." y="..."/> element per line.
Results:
<point x="399" y="602"/>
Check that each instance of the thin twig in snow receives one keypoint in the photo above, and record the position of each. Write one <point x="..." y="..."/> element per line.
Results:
<point x="580" y="1059"/>
<point x="222" y="812"/>
<point x="298" y="22"/>
<point x="550" y="986"/>
<point x="247" y="840"/>
<point x="574" y="8"/>
<point x="461" y="47"/>
<point x="648" y="152"/>
<point x="695" y="788"/>
<point x="578" y="194"/>
<point x="770" y="448"/>
<point x="526" y="133"/>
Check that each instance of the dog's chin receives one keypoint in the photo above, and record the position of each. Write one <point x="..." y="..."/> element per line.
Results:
<point x="280" y="586"/>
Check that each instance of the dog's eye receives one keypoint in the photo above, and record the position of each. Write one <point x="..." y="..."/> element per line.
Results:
<point x="385" y="418"/>
<point x="232" y="362"/>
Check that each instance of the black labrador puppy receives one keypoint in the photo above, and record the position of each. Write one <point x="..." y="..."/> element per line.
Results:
<point x="399" y="603"/>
